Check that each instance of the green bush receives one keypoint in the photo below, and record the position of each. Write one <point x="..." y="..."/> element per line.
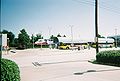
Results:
<point x="9" y="71"/>
<point x="109" y="57"/>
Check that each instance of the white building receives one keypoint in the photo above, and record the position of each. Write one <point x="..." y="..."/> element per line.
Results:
<point x="3" y="41"/>
<point x="70" y="41"/>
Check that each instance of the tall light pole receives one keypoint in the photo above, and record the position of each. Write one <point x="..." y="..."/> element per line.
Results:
<point x="71" y="35"/>
<point x="41" y="40"/>
<point x="33" y="40"/>
<point x="116" y="38"/>
<point x="96" y="25"/>
<point x="49" y="28"/>
<point x="7" y="48"/>
<point x="50" y="46"/>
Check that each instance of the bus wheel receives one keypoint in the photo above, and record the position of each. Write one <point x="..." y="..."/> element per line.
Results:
<point x="67" y="48"/>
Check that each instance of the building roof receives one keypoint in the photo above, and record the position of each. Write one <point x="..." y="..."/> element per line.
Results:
<point x="115" y="36"/>
<point x="104" y="40"/>
<point x="69" y="40"/>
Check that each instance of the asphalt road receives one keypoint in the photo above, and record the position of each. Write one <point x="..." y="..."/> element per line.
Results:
<point x="61" y="65"/>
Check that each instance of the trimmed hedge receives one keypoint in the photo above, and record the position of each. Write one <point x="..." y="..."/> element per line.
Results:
<point x="111" y="57"/>
<point x="9" y="71"/>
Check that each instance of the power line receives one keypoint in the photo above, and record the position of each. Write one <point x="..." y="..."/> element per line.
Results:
<point x="106" y="7"/>
<point x="109" y="7"/>
<point x="84" y="2"/>
<point x="101" y="5"/>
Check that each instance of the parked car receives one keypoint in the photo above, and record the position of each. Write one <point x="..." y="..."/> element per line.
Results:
<point x="41" y="42"/>
<point x="64" y="46"/>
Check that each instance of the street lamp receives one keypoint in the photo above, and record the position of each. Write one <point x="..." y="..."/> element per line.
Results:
<point x="33" y="39"/>
<point x="7" y="48"/>
<point x="49" y="28"/>
<point x="40" y="40"/>
<point x="71" y="36"/>
<point x="116" y="38"/>
<point x="7" y="42"/>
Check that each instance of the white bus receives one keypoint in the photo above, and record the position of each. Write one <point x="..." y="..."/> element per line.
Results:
<point x="105" y="42"/>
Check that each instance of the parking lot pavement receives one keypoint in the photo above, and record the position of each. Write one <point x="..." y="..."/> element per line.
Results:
<point x="61" y="65"/>
<point x="66" y="72"/>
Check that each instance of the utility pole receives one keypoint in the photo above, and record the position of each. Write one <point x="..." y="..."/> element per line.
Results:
<point x="96" y="25"/>
<point x="116" y="38"/>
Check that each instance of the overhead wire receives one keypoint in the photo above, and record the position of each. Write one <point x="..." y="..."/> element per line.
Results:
<point x="109" y="7"/>
<point x="84" y="2"/>
<point x="101" y="5"/>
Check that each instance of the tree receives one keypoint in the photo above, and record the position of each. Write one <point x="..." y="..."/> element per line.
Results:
<point x="64" y="35"/>
<point x="16" y="42"/>
<point x="58" y="35"/>
<point x="38" y="36"/>
<point x="32" y="38"/>
<point x="55" y="39"/>
<point x="100" y="36"/>
<point x="51" y="37"/>
<point x="23" y="39"/>
<point x="11" y="37"/>
<point x="5" y="32"/>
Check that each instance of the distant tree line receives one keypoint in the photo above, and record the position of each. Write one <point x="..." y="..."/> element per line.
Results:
<point x="24" y="40"/>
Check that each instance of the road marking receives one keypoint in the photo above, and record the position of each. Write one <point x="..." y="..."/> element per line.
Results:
<point x="89" y="71"/>
<point x="36" y="64"/>
<point x="40" y="64"/>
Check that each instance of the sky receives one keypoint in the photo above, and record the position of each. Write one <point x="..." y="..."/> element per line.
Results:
<point x="51" y="17"/>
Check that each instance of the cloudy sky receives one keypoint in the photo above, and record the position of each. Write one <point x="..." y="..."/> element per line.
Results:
<point x="51" y="17"/>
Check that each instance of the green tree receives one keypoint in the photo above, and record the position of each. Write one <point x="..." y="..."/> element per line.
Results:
<point x="11" y="37"/>
<point x="55" y="39"/>
<point x="100" y="36"/>
<point x="32" y="38"/>
<point x="16" y="42"/>
<point x="5" y="32"/>
<point x="38" y="36"/>
<point x="58" y="35"/>
<point x="64" y="35"/>
<point x="23" y="39"/>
